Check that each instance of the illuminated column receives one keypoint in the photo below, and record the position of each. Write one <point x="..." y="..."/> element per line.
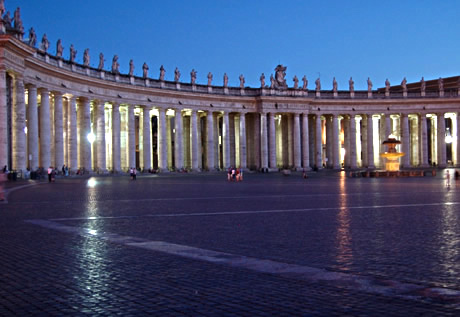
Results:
<point x="318" y="141"/>
<point x="194" y="140"/>
<point x="423" y="140"/>
<point x="32" y="127"/>
<point x="305" y="143"/>
<point x="199" y="142"/>
<point x="100" y="137"/>
<point x="178" y="144"/>
<point x="243" y="148"/>
<point x="335" y="142"/>
<point x="65" y="128"/>
<point x="405" y="140"/>
<point x="146" y="135"/>
<point x="441" y="140"/>
<point x="18" y="125"/>
<point x="210" y="141"/>
<point x="458" y="139"/>
<point x="131" y="137"/>
<point x="85" y="131"/>
<point x="263" y="141"/>
<point x="272" y="141"/>
<point x="297" y="142"/>
<point x="3" y="121"/>
<point x="72" y="130"/>
<point x="226" y="140"/>
<point x="329" y="142"/>
<point x="162" y="146"/>
<point x="58" y="131"/>
<point x="116" y="132"/>
<point x="370" y="141"/>
<point x="45" y="130"/>
<point x="353" y="158"/>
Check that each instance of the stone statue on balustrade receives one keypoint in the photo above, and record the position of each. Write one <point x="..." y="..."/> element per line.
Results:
<point x="59" y="49"/>
<point x="2" y="7"/>
<point x="242" y="81"/>
<point x="45" y="43"/>
<point x="32" y="37"/>
<point x="369" y="84"/>
<point x="101" y="62"/>
<point x="73" y="54"/>
<point x="193" y="76"/>
<point x="131" y="67"/>
<point x="225" y="80"/>
<point x="296" y="82"/>
<point x="262" y="80"/>
<point x="209" y="79"/>
<point x="272" y="81"/>
<point x="404" y="84"/>
<point x="318" y="84"/>
<point x="7" y="19"/>
<point x="162" y="73"/>
<point x="17" y="21"/>
<point x="176" y="75"/>
<point x="387" y="86"/>
<point x="422" y="85"/>
<point x="280" y="74"/>
<point x="115" y="65"/>
<point x="334" y="85"/>
<point x="351" y="85"/>
<point x="145" y="70"/>
<point x="441" y="84"/>
<point x="305" y="82"/>
<point x="86" y="57"/>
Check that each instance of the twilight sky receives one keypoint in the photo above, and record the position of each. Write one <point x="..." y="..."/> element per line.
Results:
<point x="377" y="39"/>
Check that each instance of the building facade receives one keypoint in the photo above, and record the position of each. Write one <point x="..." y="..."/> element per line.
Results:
<point x="54" y="111"/>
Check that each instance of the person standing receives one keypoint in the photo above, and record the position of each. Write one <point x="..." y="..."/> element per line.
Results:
<point x="2" y="190"/>
<point x="447" y="179"/>
<point x="50" y="171"/>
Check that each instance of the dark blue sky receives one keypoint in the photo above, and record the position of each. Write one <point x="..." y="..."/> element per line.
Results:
<point x="376" y="39"/>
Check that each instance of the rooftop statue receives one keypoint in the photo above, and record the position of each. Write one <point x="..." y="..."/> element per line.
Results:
<point x="351" y="85"/>
<point x="262" y="80"/>
<point x="209" y="78"/>
<point x="422" y="84"/>
<point x="17" y="20"/>
<point x="32" y="37"/>
<point x="73" y="54"/>
<point x="7" y="19"/>
<point x="441" y="84"/>
<point x="131" y="67"/>
<point x="86" y="57"/>
<point x="101" y="61"/>
<point x="369" y="84"/>
<point x="45" y="43"/>
<point x="280" y="74"/>
<point x="176" y="75"/>
<point x="404" y="84"/>
<point x="242" y="81"/>
<point x="318" y="84"/>
<point x="59" y="48"/>
<point x="115" y="65"/>
<point x="193" y="76"/>
<point x="162" y="73"/>
<point x="145" y="70"/>
<point x="296" y="82"/>
<point x="225" y="80"/>
<point x="305" y="82"/>
<point x="2" y="7"/>
<point x="272" y="81"/>
<point x="387" y="85"/>
<point x="334" y="85"/>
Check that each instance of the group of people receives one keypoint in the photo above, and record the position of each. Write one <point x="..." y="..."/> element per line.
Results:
<point x="457" y="178"/>
<point x="133" y="173"/>
<point x="235" y="174"/>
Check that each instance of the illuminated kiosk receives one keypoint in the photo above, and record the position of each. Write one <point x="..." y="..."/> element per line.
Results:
<point x="392" y="156"/>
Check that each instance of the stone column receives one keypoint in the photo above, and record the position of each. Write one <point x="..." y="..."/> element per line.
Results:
<point x="329" y="142"/>
<point x="346" y="140"/>
<point x="116" y="132"/>
<point x="263" y="141"/>
<point x="243" y="155"/>
<point x="305" y="143"/>
<point x="131" y="137"/>
<point x="85" y="130"/>
<point x="178" y="144"/>
<point x="423" y="140"/>
<point x="72" y="122"/>
<point x="162" y="146"/>
<point x="45" y="129"/>
<point x="370" y="141"/>
<point x="18" y="125"/>
<point x="272" y="141"/>
<point x="353" y="158"/>
<point x="58" y="131"/>
<point x="335" y="142"/>
<point x="210" y="141"/>
<point x="226" y="139"/>
<point x="442" y="160"/>
<point x="318" y="141"/>
<point x="194" y="139"/>
<point x="405" y="141"/>
<point x="32" y="127"/>
<point x="3" y="121"/>
<point x="297" y="142"/>
<point x="100" y="137"/>
<point x="65" y="128"/>
<point x="458" y="139"/>
<point x="146" y="136"/>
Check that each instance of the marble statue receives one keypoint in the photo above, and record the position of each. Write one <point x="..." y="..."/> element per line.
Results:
<point x="404" y="84"/>
<point x="59" y="49"/>
<point x="176" y="75"/>
<point x="272" y="81"/>
<point x="193" y="76"/>
<point x="318" y="84"/>
<point x="73" y="54"/>
<point x="131" y="67"/>
<point x="305" y="82"/>
<point x="387" y="85"/>
<point x="45" y="43"/>
<point x="422" y="84"/>
<point x="209" y="78"/>
<point x="225" y="80"/>
<point x="441" y="84"/>
<point x="86" y="57"/>
<point x="296" y="82"/>
<point x="17" y="20"/>
<point x="162" y="73"/>
<point x="145" y="70"/>
<point x="32" y="37"/>
<point x="280" y="74"/>
<point x="262" y="80"/>
<point x="334" y="85"/>
<point x="369" y="84"/>
<point x="101" y="61"/>
<point x="242" y="81"/>
<point x="115" y="65"/>
<point x="7" y="19"/>
<point x="351" y="85"/>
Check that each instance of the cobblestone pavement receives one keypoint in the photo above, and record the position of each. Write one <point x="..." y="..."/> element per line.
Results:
<point x="197" y="245"/>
